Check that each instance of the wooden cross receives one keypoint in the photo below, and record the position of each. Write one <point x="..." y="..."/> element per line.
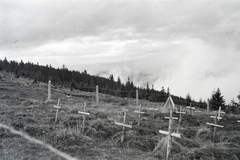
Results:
<point x="219" y="114"/>
<point x="97" y="97"/>
<point x="215" y="125"/>
<point x="137" y="97"/>
<point x="84" y="113"/>
<point x="180" y="117"/>
<point x="190" y="108"/>
<point x="172" y="134"/>
<point x="169" y="102"/>
<point x="169" y="133"/>
<point x="153" y="109"/>
<point x="57" y="106"/>
<point x="198" y="111"/>
<point x="49" y="91"/>
<point x="208" y="106"/>
<point x="218" y="118"/>
<point x="124" y="126"/>
<point x="180" y="113"/>
<point x="139" y="114"/>
<point x="174" y="118"/>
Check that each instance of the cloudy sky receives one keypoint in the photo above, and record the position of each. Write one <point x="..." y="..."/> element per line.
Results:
<point x="189" y="46"/>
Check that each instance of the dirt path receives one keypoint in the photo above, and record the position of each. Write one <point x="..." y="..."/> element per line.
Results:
<point x="34" y="140"/>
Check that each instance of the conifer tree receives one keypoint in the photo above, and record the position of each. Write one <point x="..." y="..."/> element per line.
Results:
<point x="238" y="98"/>
<point x="188" y="99"/>
<point x="217" y="100"/>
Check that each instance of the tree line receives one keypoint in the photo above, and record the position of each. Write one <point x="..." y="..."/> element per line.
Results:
<point x="86" y="82"/>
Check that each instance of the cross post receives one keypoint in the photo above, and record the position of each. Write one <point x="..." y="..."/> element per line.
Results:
<point x="84" y="113"/>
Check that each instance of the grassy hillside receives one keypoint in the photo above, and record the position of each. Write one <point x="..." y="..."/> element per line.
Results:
<point x="23" y="106"/>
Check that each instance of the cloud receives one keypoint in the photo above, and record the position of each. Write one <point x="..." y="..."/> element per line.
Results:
<point x="189" y="46"/>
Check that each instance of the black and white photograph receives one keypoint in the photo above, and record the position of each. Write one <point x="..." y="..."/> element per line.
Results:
<point x="119" y="80"/>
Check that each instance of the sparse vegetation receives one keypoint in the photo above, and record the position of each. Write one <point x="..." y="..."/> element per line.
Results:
<point x="25" y="109"/>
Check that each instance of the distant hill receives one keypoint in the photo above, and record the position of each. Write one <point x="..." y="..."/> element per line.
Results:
<point x="85" y="82"/>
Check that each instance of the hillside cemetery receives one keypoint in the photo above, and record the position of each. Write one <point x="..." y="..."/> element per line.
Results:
<point x="54" y="122"/>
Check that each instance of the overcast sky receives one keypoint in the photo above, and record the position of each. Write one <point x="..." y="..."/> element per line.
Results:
<point x="189" y="46"/>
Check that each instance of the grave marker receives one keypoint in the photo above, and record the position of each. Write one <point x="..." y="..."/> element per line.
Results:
<point x="198" y="111"/>
<point x="139" y="114"/>
<point x="153" y="109"/>
<point x="169" y="133"/>
<point x="84" y="113"/>
<point x="180" y="113"/>
<point x="208" y="107"/>
<point x="219" y="114"/>
<point x="169" y="102"/>
<point x="137" y="97"/>
<point x="174" y="118"/>
<point x="190" y="108"/>
<point x="172" y="134"/>
<point x="180" y="117"/>
<point x="124" y="126"/>
<point x="49" y="91"/>
<point x="215" y="125"/>
<point x="57" y="106"/>
<point x="97" y="98"/>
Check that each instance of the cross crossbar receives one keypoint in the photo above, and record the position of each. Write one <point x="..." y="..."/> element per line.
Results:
<point x="220" y="112"/>
<point x="215" y="125"/>
<point x="172" y="134"/>
<point x="238" y="121"/>
<point x="180" y="112"/>
<point x="139" y="112"/>
<point x="124" y="125"/>
<point x="153" y="109"/>
<point x="190" y="107"/>
<point x="84" y="113"/>
<point x="57" y="107"/>
<point x="172" y="117"/>
<point x="215" y="117"/>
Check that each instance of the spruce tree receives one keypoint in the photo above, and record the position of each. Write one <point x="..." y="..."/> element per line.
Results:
<point x="188" y="99"/>
<point x="217" y="100"/>
<point x="238" y="98"/>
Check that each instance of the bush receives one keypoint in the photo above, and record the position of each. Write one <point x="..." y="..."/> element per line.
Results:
<point x="234" y="109"/>
<point x="123" y="102"/>
<point x="189" y="132"/>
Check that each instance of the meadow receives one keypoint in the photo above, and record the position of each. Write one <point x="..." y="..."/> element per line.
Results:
<point x="23" y="107"/>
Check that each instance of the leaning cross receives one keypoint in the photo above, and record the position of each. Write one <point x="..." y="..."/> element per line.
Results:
<point x="215" y="125"/>
<point x="139" y="114"/>
<point x="180" y="117"/>
<point x="57" y="106"/>
<point x="219" y="114"/>
<point x="124" y="126"/>
<point x="84" y="115"/>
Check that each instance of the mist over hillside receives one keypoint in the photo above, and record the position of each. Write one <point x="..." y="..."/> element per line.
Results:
<point x="195" y="73"/>
<point x="139" y="78"/>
